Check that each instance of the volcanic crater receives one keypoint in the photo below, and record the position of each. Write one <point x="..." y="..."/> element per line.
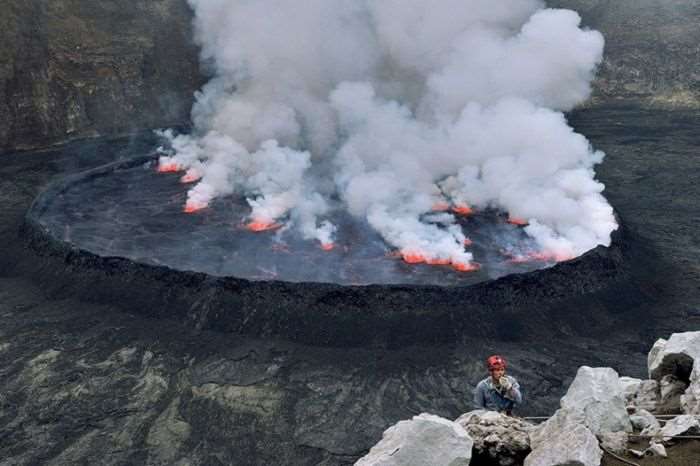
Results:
<point x="210" y="268"/>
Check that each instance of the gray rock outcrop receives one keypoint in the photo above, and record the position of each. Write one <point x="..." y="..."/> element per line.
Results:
<point x="630" y="387"/>
<point x="425" y="439"/>
<point x="647" y="396"/>
<point x="564" y="440"/>
<point x="642" y="419"/>
<point x="615" y="442"/>
<point x="598" y="393"/>
<point x="690" y="400"/>
<point x="681" y="425"/>
<point x="671" y="388"/>
<point x="674" y="356"/>
<point x="497" y="438"/>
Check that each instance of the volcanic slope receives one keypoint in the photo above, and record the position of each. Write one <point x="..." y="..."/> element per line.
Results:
<point x="87" y="382"/>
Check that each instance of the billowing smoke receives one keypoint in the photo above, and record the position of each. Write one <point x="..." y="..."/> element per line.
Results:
<point x="389" y="108"/>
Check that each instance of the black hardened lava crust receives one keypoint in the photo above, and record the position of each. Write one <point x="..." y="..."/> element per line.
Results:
<point x="509" y="308"/>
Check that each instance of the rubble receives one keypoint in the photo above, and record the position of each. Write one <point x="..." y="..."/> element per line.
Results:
<point x="500" y="438"/>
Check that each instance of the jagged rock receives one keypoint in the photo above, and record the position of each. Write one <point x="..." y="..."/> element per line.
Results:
<point x="643" y="419"/>
<point x="564" y="440"/>
<point x="500" y="438"/>
<point x="598" y="393"/>
<point x="630" y="387"/>
<point x="674" y="356"/>
<point x="656" y="449"/>
<point x="680" y="425"/>
<point x="647" y="395"/>
<point x="615" y="442"/>
<point x="671" y="388"/>
<point x="690" y="400"/>
<point x="425" y="439"/>
<point x="637" y="453"/>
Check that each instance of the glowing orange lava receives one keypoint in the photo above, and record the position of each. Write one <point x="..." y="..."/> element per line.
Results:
<point x="517" y="221"/>
<point x="467" y="242"/>
<point x="466" y="266"/>
<point x="462" y="209"/>
<point x="262" y="225"/>
<point x="191" y="207"/>
<point x="190" y="177"/>
<point x="169" y="167"/>
<point x="440" y="207"/>
<point x="437" y="261"/>
<point x="540" y="256"/>
<point x="412" y="257"/>
<point x="327" y="246"/>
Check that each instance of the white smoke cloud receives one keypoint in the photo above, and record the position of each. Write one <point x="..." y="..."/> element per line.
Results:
<point x="395" y="106"/>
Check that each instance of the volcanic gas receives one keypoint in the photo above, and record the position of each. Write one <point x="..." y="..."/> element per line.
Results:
<point x="408" y="118"/>
<point x="135" y="211"/>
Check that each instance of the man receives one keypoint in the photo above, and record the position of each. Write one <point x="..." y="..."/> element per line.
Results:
<point x="497" y="392"/>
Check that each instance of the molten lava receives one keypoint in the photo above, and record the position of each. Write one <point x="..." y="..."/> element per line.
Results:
<point x="190" y="176"/>
<point x="257" y="225"/>
<point x="539" y="256"/>
<point x="462" y="209"/>
<point x="466" y="266"/>
<point x="517" y="221"/>
<point x="412" y="257"/>
<point x="467" y="242"/>
<point x="192" y="206"/>
<point x="327" y="246"/>
<point x="169" y="167"/>
<point x="437" y="261"/>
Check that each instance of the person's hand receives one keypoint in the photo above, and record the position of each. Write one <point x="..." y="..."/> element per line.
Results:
<point x="505" y="383"/>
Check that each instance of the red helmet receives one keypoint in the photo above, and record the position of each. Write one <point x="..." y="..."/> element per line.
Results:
<point x="496" y="362"/>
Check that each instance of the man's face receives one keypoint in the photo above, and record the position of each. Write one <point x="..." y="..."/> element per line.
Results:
<point x="497" y="373"/>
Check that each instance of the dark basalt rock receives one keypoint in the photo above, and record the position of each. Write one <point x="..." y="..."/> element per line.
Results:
<point x="322" y="313"/>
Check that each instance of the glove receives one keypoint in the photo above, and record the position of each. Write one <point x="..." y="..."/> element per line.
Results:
<point x="505" y="384"/>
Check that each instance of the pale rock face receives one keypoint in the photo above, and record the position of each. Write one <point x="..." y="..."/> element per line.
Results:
<point x="615" y="442"/>
<point x="599" y="394"/>
<point x="674" y="356"/>
<point x="630" y="387"/>
<point x="425" y="439"/>
<point x="690" y="401"/>
<point x="564" y="440"/>
<point x="502" y="439"/>
<point x="680" y="425"/>
<point x="657" y="449"/>
<point x="643" y="419"/>
<point x="647" y="395"/>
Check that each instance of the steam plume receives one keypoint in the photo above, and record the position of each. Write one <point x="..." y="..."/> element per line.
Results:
<point x="393" y="106"/>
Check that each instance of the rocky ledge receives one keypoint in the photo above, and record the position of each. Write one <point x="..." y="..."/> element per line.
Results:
<point x="601" y="414"/>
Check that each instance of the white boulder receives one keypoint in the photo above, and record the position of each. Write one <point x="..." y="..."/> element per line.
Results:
<point x="647" y="395"/>
<point x="615" y="442"/>
<point x="564" y="440"/>
<point x="630" y="387"/>
<point x="681" y="425"/>
<point x="642" y="419"/>
<point x="656" y="449"/>
<point x="598" y="393"/>
<point x="425" y="439"/>
<point x="498" y="439"/>
<point x="674" y="356"/>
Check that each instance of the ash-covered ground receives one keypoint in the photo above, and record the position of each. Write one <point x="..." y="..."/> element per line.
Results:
<point x="84" y="380"/>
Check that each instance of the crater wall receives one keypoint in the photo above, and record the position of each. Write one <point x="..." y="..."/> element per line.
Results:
<point x="80" y="68"/>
